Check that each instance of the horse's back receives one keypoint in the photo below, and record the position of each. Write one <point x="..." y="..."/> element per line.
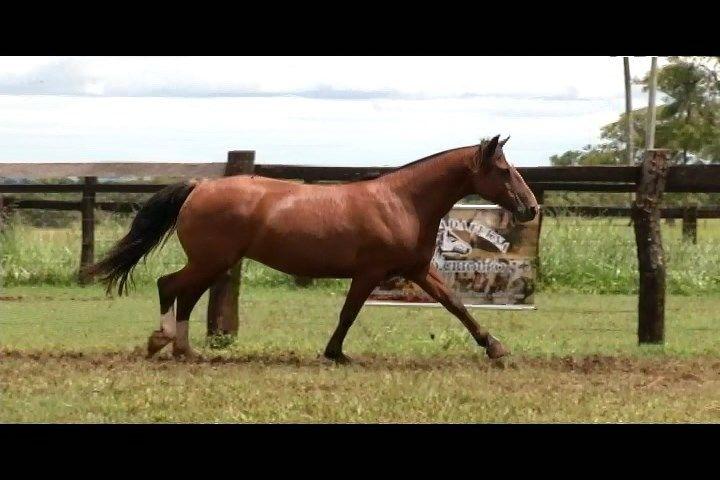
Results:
<point x="315" y="230"/>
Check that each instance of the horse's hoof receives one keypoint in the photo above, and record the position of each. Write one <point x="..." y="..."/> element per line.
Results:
<point x="339" y="358"/>
<point x="184" y="354"/>
<point x="157" y="342"/>
<point x="496" y="350"/>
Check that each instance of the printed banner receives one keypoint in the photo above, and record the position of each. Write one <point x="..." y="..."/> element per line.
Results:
<point x="484" y="256"/>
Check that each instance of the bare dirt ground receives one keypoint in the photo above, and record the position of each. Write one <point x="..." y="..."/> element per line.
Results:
<point x="696" y="369"/>
<point x="123" y="386"/>
<point x="72" y="355"/>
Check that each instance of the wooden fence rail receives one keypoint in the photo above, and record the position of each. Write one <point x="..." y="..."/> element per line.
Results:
<point x="688" y="214"/>
<point x="13" y="203"/>
<point x="680" y="178"/>
<point x="222" y="311"/>
<point x="707" y="211"/>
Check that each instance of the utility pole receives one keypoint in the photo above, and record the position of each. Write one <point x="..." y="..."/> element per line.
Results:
<point x="650" y="134"/>
<point x="628" y="113"/>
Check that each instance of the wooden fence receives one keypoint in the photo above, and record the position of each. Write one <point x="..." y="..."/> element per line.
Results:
<point x="649" y="180"/>
<point x="689" y="215"/>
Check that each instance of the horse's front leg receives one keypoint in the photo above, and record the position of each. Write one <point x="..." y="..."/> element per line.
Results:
<point x="360" y="289"/>
<point x="431" y="281"/>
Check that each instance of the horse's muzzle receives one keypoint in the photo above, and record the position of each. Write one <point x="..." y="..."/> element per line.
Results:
<point x="525" y="214"/>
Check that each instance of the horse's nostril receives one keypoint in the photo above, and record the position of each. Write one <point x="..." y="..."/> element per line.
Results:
<point x="533" y="211"/>
<point x="527" y="214"/>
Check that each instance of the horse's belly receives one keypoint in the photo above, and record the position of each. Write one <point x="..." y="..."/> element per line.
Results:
<point x="307" y="255"/>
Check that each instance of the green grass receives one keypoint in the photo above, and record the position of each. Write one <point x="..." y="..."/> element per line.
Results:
<point x="599" y="256"/>
<point x="50" y="256"/>
<point x="276" y="320"/>
<point x="576" y="255"/>
<point x="72" y="354"/>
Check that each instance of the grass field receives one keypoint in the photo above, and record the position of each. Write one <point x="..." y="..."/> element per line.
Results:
<point x="576" y="255"/>
<point x="71" y="354"/>
<point x="74" y="355"/>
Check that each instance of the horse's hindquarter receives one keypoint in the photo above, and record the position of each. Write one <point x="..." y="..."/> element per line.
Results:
<point x="327" y="230"/>
<point x="214" y="221"/>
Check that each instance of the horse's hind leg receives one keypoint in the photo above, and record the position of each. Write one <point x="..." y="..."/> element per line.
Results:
<point x="185" y="302"/>
<point x="186" y="286"/>
<point x="192" y="282"/>
<point x="168" y="325"/>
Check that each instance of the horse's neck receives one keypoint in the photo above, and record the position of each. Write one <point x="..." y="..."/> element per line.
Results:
<point x="435" y="185"/>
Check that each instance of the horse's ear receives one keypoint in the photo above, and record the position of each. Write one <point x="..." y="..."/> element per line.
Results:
<point x="489" y="150"/>
<point x="502" y="144"/>
<point x="485" y="154"/>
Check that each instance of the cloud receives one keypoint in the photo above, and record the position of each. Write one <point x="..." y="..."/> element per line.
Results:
<point x="316" y="78"/>
<point x="202" y="91"/>
<point x="70" y="77"/>
<point x="303" y="110"/>
<point x="65" y="77"/>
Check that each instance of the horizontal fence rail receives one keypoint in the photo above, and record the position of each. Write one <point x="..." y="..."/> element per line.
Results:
<point x="119" y="207"/>
<point x="79" y="187"/>
<point x="111" y="169"/>
<point x="708" y="211"/>
<point x="681" y="178"/>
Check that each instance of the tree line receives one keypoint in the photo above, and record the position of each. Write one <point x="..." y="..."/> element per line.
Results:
<point x="687" y="120"/>
<point x="687" y="123"/>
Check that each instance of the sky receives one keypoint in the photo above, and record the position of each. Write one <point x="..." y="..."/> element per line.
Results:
<point x="333" y="111"/>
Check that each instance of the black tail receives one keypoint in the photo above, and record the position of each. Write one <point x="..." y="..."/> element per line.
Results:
<point x="153" y="224"/>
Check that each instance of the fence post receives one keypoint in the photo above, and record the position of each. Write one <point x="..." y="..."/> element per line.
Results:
<point x="2" y="212"/>
<point x="651" y="258"/>
<point x="87" y="212"/>
<point x="222" y="311"/>
<point x="540" y="198"/>
<point x="689" y="224"/>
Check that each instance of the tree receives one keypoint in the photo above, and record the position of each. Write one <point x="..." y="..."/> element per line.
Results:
<point x="691" y="106"/>
<point x="567" y="159"/>
<point x="603" y="154"/>
<point x="688" y="121"/>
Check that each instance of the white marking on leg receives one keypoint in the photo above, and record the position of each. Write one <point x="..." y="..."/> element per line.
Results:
<point x="182" y="339"/>
<point x="168" y="324"/>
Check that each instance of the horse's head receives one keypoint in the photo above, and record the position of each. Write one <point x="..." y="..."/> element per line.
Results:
<point x="496" y="180"/>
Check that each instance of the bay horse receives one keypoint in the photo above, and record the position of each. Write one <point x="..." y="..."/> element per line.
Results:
<point x="368" y="231"/>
